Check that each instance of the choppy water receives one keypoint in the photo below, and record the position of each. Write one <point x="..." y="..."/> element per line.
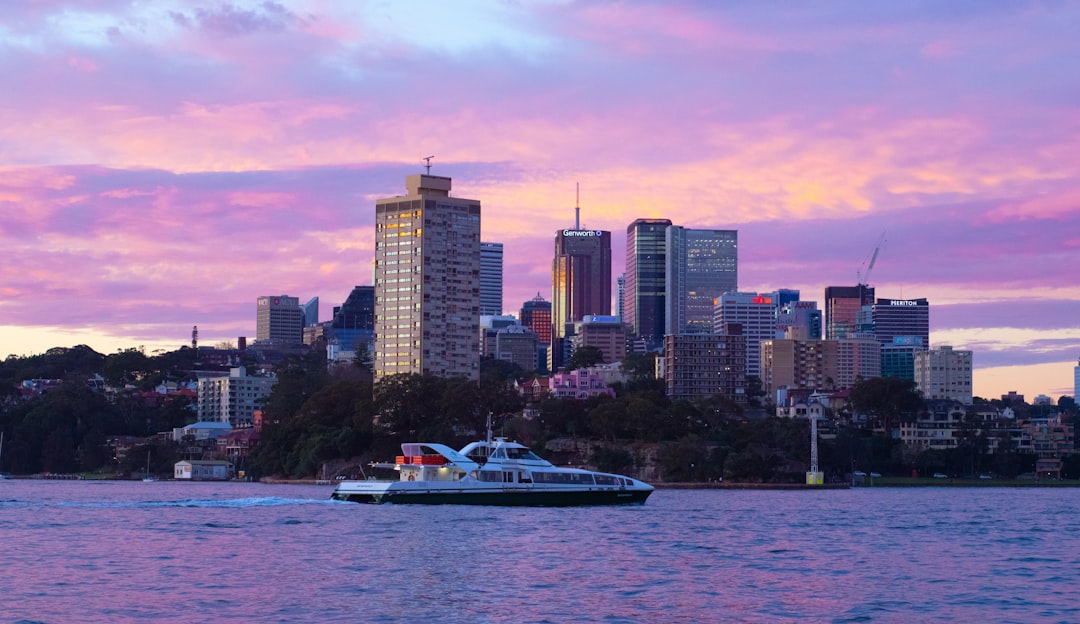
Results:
<point x="201" y="552"/>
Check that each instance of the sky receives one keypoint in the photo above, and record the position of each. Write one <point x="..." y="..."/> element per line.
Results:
<point x="163" y="164"/>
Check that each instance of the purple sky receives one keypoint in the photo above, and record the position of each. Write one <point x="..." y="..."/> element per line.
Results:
<point x="163" y="164"/>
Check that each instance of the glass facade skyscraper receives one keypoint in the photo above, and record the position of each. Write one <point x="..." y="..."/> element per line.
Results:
<point x="491" y="278"/>
<point x="643" y="298"/>
<point x="701" y="265"/>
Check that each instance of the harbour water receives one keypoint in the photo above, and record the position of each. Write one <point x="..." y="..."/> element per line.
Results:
<point x="205" y="552"/>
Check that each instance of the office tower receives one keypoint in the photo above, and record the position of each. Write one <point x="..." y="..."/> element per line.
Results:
<point x="353" y="325"/>
<point x="643" y="299"/>
<point x="757" y="315"/>
<point x="489" y="327"/>
<point x="842" y="307"/>
<point x="827" y="365"/>
<point x="898" y="357"/>
<point x="580" y="277"/>
<point x="1076" y="382"/>
<point x="233" y="398"/>
<point x="701" y="266"/>
<point x="620" y="283"/>
<point x="311" y="312"/>
<point x="427" y="281"/>
<point x="944" y="373"/>
<point x="517" y="345"/>
<point x="698" y="366"/>
<point x="491" y="278"/>
<point x="895" y="318"/>
<point x="536" y="315"/>
<point x="783" y="296"/>
<point x="800" y="317"/>
<point x="279" y="320"/>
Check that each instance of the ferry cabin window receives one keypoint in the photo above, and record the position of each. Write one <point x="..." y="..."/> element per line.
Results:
<point x="606" y="480"/>
<point x="574" y="478"/>
<point x="489" y="475"/>
<point x="520" y="453"/>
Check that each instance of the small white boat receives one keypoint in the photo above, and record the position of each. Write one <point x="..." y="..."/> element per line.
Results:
<point x="493" y="472"/>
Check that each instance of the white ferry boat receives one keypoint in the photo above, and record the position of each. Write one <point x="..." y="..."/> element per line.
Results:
<point x="493" y="472"/>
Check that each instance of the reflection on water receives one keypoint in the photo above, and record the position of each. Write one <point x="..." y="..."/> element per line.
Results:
<point x="198" y="552"/>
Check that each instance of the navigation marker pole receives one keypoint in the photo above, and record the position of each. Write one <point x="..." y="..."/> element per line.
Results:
<point x="814" y="476"/>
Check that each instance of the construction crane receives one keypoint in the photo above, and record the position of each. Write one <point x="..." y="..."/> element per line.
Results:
<point x="864" y="279"/>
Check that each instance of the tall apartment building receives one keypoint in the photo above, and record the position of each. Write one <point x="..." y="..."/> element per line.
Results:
<point x="757" y="316"/>
<point x="701" y="266"/>
<point x="279" y="319"/>
<point x="580" y="277"/>
<point x="944" y="373"/>
<point x="817" y="364"/>
<point x="233" y="398"/>
<point x="843" y="304"/>
<point x="491" y="278"/>
<point x="699" y="366"/>
<point x="643" y="298"/>
<point x="427" y="281"/>
<point x="536" y="315"/>
<point x="1076" y="381"/>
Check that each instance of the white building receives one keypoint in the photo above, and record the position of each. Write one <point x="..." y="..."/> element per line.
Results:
<point x="944" y="373"/>
<point x="196" y="470"/>
<point x="233" y="399"/>
<point x="757" y="315"/>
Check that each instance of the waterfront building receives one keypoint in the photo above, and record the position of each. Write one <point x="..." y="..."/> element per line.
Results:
<point x="643" y="299"/>
<point x="699" y="366"/>
<point x="233" y="398"/>
<point x="279" y="320"/>
<point x="944" y="373"/>
<point x="701" y="265"/>
<point x="491" y="278"/>
<point x="757" y="316"/>
<point x="427" y="281"/>
<point x="843" y="304"/>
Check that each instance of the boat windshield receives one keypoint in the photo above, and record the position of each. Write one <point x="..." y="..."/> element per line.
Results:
<point x="516" y="453"/>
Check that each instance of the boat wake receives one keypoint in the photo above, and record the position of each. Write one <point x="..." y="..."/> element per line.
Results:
<point x="203" y="503"/>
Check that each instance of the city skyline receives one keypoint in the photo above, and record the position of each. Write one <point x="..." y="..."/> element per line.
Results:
<point x="163" y="166"/>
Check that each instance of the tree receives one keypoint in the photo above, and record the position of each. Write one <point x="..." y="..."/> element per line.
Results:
<point x="886" y="400"/>
<point x="585" y="357"/>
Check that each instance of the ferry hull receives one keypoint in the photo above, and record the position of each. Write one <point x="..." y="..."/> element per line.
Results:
<point x="500" y="498"/>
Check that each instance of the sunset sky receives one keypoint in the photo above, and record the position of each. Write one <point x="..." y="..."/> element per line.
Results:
<point x="163" y="164"/>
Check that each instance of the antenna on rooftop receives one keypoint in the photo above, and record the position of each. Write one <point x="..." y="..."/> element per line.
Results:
<point x="427" y="160"/>
<point x="577" y="205"/>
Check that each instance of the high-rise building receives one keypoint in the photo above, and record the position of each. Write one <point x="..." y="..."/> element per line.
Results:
<point x="233" y="398"/>
<point x="643" y="299"/>
<point x="311" y="312"/>
<point x="701" y="266"/>
<point x="353" y="325"/>
<point x="757" y="315"/>
<point x="279" y="320"/>
<point x="491" y="278"/>
<point x="944" y="373"/>
<point x="797" y="364"/>
<point x="536" y="315"/>
<point x="699" y="366"/>
<point x="606" y="333"/>
<point x="895" y="318"/>
<point x="799" y="314"/>
<point x="1076" y="382"/>
<point x="427" y="281"/>
<point x="620" y="294"/>
<point x="898" y="357"/>
<point x="580" y="277"/>
<point x="843" y="304"/>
